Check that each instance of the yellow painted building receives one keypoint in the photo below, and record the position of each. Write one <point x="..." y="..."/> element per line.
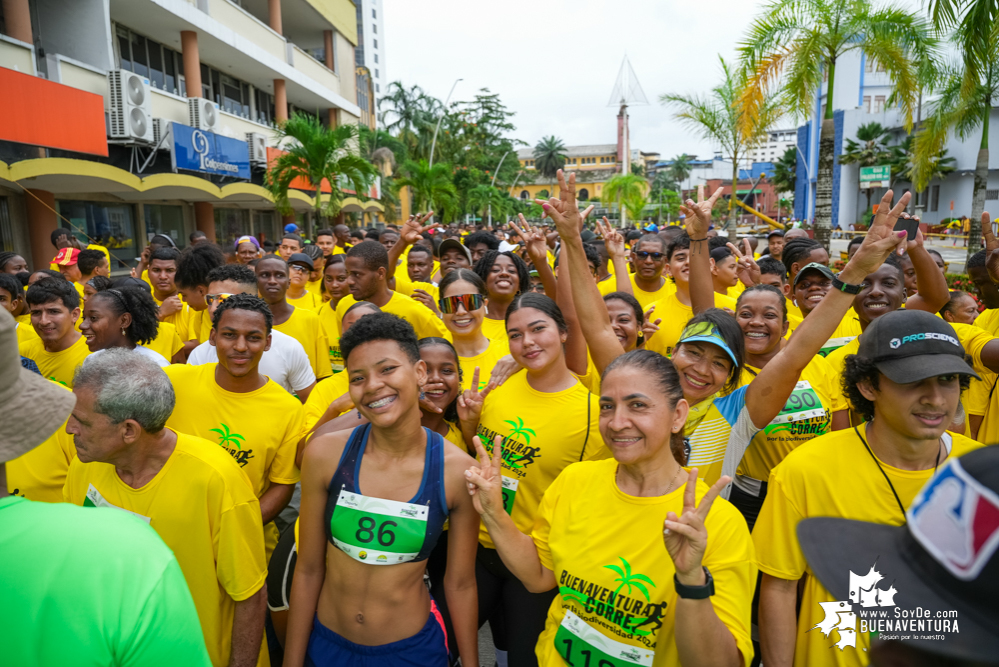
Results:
<point x="593" y="165"/>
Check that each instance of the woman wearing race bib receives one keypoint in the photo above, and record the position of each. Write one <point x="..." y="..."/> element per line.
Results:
<point x="374" y="503"/>
<point x="547" y="420"/>
<point x="709" y="356"/>
<point x="621" y="598"/>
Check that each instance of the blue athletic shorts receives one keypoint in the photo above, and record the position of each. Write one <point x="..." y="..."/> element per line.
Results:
<point x="427" y="648"/>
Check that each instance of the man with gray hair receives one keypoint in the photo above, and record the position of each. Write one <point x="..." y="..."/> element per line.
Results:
<point x="189" y="490"/>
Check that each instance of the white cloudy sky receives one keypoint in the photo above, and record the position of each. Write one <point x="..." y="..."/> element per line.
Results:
<point x="554" y="62"/>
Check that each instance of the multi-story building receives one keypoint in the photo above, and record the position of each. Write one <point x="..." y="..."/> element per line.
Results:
<point x="593" y="165"/>
<point x="773" y="146"/>
<point x="860" y="96"/>
<point x="125" y="118"/>
<point x="371" y="44"/>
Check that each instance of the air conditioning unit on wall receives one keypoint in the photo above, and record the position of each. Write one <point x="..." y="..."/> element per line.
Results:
<point x="258" y="148"/>
<point x="204" y="114"/>
<point x="161" y="127"/>
<point x="131" y="113"/>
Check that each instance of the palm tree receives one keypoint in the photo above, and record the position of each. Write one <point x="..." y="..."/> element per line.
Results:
<point x="549" y="157"/>
<point x="872" y="152"/>
<point x="625" y="188"/>
<point x="964" y="105"/>
<point x="385" y="152"/>
<point x="906" y="166"/>
<point x="629" y="579"/>
<point x="717" y="118"/>
<point x="480" y="197"/>
<point x="798" y="43"/>
<point x="317" y="153"/>
<point x="635" y="204"/>
<point x="680" y="169"/>
<point x="226" y="438"/>
<point x="430" y="185"/>
<point x="785" y="171"/>
<point x="974" y="24"/>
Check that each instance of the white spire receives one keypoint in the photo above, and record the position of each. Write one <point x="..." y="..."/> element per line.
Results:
<point x="627" y="90"/>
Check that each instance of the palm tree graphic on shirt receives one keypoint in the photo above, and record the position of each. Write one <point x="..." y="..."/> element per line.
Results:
<point x="520" y="429"/>
<point x="226" y="438"/>
<point x="630" y="580"/>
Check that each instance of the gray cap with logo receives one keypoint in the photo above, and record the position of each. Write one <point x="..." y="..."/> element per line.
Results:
<point x="912" y="345"/>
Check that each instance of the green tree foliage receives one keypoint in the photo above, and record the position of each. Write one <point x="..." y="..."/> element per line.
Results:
<point x="869" y="152"/>
<point x="431" y="187"/>
<point x="785" y="171"/>
<point x="549" y="157"/>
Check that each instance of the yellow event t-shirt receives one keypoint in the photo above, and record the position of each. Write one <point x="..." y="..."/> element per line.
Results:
<point x="495" y="330"/>
<point x="542" y="434"/>
<point x="167" y="342"/>
<point x="404" y="285"/>
<point x="615" y="587"/>
<point x="309" y="300"/>
<point x="330" y="323"/>
<point x="260" y="429"/>
<point x="648" y="298"/>
<point x="322" y="395"/>
<point x="41" y="473"/>
<point x="304" y="326"/>
<point x="674" y="316"/>
<point x="24" y="332"/>
<point x="497" y="350"/>
<point x="58" y="366"/>
<point x="422" y="318"/>
<point x="831" y="476"/>
<point x="205" y="511"/>
<point x="806" y="415"/>
<point x="609" y="285"/>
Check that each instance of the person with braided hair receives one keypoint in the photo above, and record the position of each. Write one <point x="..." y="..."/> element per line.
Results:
<point x="11" y="262"/>
<point x="121" y="318"/>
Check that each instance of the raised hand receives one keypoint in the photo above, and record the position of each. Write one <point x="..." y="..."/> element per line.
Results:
<point x="411" y="230"/>
<point x="564" y="212"/>
<point x="650" y="326"/>
<point x="613" y="239"/>
<point x="424" y="297"/>
<point x="991" y="248"/>
<point x="748" y="271"/>
<point x="170" y="305"/>
<point x="698" y="214"/>
<point x="533" y="238"/>
<point x="686" y="536"/>
<point x="471" y="400"/>
<point x="485" y="481"/>
<point x="881" y="239"/>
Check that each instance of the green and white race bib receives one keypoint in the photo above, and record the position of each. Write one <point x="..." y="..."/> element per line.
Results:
<point x="95" y="499"/>
<point x="834" y="344"/>
<point x="803" y="403"/>
<point x="510" y="485"/>
<point x="378" y="531"/>
<point x="581" y="645"/>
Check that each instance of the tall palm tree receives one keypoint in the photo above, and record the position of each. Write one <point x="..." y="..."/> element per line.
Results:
<point x="974" y="25"/>
<point x="431" y="186"/>
<point x="795" y="45"/>
<point x="317" y="153"/>
<point x="964" y="105"/>
<point x="717" y="118"/>
<point x="906" y="166"/>
<point x="625" y="188"/>
<point x="785" y="171"/>
<point x="680" y="169"/>
<point x="549" y="157"/>
<point x="872" y="152"/>
<point x="635" y="204"/>
<point x="480" y="197"/>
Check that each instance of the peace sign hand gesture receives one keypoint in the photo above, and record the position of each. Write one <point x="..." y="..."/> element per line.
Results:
<point x="533" y="237"/>
<point x="748" y="271"/>
<point x="881" y="240"/>
<point x="485" y="481"/>
<point x="699" y="215"/>
<point x="686" y="536"/>
<point x="411" y="230"/>
<point x="471" y="400"/>
<point x="613" y="240"/>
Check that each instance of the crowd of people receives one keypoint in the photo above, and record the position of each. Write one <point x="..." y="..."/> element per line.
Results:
<point x="616" y="446"/>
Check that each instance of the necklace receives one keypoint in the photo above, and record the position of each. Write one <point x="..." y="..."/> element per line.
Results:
<point x="668" y="488"/>
<point x="887" y="479"/>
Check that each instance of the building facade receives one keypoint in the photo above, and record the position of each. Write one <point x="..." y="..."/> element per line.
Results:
<point x="126" y="118"/>
<point x="371" y="44"/>
<point x="593" y="165"/>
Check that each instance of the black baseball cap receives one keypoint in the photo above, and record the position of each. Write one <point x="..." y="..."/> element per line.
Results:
<point x="912" y="345"/>
<point x="942" y="561"/>
<point x="301" y="258"/>
<point x="776" y="232"/>
<point x="447" y="244"/>
<point x="815" y="266"/>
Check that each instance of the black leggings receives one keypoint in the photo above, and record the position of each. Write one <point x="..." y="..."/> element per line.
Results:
<point x="516" y="616"/>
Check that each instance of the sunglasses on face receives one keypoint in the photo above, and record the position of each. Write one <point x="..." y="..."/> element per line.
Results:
<point x="212" y="298"/>
<point x="449" y="304"/>
<point x="641" y="254"/>
<point x="299" y="268"/>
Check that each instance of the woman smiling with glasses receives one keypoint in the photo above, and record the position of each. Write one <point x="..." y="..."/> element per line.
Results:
<point x="463" y="307"/>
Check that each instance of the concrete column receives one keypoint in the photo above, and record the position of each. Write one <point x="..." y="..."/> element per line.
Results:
<point x="333" y="118"/>
<point x="192" y="62"/>
<point x="328" y="44"/>
<point x="17" y="18"/>
<point x="274" y="16"/>
<point x="42" y="221"/>
<point x="204" y="218"/>
<point x="280" y="101"/>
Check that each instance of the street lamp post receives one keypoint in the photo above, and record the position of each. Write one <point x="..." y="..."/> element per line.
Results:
<point x="808" y="180"/>
<point x="433" y="144"/>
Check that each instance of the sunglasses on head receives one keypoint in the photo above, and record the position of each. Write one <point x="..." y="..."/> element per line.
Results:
<point x="212" y="298"/>
<point x="641" y="254"/>
<point x="449" y="304"/>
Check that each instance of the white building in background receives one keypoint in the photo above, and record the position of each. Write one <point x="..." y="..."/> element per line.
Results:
<point x="773" y="147"/>
<point x="860" y="96"/>
<point x="370" y="50"/>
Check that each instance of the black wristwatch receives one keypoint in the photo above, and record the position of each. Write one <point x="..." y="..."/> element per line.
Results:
<point x="695" y="592"/>
<point x="838" y="284"/>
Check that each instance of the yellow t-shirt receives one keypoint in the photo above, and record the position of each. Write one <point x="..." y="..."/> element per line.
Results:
<point x="422" y="318"/>
<point x="25" y="332"/>
<point x="330" y="323"/>
<point x="648" y="298"/>
<point x="609" y="285"/>
<point x="831" y="476"/>
<point x="404" y="285"/>
<point x="167" y="342"/>
<point x="309" y="300"/>
<point x="806" y="415"/>
<point x="674" y="316"/>
<point x="316" y="287"/>
<point x="41" y="473"/>
<point x="324" y="393"/>
<point x="616" y="593"/>
<point x="304" y="326"/>
<point x="205" y="511"/>
<point x="178" y="319"/>
<point x="495" y="330"/>
<point x="259" y="429"/>
<point x="845" y="333"/>
<point x="497" y="350"/>
<point x="58" y="366"/>
<point x="542" y="434"/>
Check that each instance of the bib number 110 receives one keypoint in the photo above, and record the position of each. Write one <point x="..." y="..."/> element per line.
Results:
<point x="366" y="532"/>
<point x="585" y="659"/>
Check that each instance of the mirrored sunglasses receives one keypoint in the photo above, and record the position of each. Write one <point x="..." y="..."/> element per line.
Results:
<point x="212" y="298"/>
<point x="449" y="304"/>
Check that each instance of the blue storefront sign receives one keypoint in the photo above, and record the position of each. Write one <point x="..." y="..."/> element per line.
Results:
<point x="209" y="153"/>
